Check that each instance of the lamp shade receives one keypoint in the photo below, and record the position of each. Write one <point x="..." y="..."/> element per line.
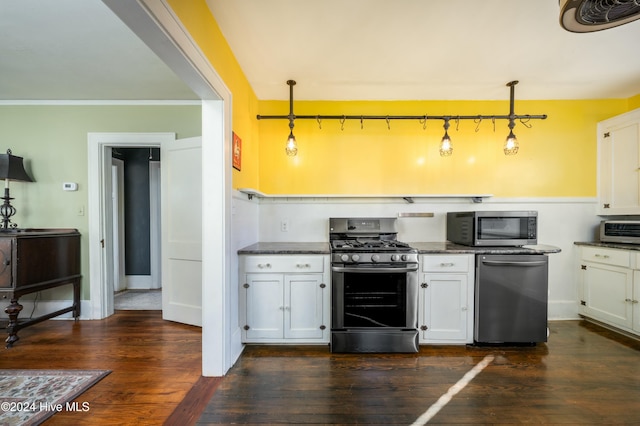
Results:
<point x="11" y="168"/>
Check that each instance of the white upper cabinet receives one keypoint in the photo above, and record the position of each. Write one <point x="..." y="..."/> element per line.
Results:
<point x="619" y="165"/>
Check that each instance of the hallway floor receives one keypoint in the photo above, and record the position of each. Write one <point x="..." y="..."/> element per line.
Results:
<point x="136" y="300"/>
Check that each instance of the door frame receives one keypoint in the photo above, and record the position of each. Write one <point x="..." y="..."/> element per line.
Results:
<point x="100" y="211"/>
<point x="157" y="25"/>
<point x="155" y="170"/>
<point x="117" y="220"/>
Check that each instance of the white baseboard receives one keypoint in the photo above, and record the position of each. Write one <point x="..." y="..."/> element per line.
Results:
<point x="563" y="310"/>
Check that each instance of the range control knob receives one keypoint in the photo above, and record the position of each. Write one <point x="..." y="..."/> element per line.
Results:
<point x="395" y="257"/>
<point x="375" y="258"/>
<point x="355" y="257"/>
<point x="344" y="257"/>
<point x="405" y="257"/>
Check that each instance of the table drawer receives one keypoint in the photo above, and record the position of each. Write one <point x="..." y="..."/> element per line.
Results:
<point x="606" y="256"/>
<point x="446" y="263"/>
<point x="284" y="263"/>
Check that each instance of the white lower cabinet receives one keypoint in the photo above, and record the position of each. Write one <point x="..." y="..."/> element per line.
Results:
<point x="609" y="286"/>
<point x="445" y="304"/>
<point x="284" y="299"/>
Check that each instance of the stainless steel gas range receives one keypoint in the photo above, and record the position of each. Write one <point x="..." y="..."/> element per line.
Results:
<point x="374" y="281"/>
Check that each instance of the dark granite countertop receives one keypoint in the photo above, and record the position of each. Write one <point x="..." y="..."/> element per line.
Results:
<point x="286" y="248"/>
<point x="446" y="247"/>
<point x="608" y="245"/>
<point x="422" y="247"/>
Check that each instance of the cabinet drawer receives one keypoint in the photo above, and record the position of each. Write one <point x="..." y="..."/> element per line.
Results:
<point x="606" y="256"/>
<point x="284" y="263"/>
<point x="446" y="263"/>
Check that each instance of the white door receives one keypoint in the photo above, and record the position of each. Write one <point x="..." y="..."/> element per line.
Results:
<point x="303" y="306"/>
<point x="606" y="289"/>
<point x="265" y="307"/>
<point x="445" y="307"/>
<point x="181" y="220"/>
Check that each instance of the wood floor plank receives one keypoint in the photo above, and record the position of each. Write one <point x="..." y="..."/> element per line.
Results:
<point x="154" y="364"/>
<point x="583" y="375"/>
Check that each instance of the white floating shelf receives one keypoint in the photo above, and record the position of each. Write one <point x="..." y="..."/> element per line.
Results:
<point x="476" y="198"/>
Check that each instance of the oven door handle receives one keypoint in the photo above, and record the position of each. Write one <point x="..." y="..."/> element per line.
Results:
<point x="369" y="270"/>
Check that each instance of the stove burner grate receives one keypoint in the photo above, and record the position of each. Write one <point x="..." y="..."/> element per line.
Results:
<point x="369" y="244"/>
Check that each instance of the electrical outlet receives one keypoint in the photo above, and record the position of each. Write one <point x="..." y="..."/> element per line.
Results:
<point x="284" y="225"/>
<point x="80" y="210"/>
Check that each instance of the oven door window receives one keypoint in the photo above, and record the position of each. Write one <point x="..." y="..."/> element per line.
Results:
<point x="376" y="299"/>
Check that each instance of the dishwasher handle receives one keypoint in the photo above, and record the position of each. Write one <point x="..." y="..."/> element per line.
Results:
<point x="514" y="263"/>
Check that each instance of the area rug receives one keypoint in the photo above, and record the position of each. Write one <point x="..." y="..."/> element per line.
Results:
<point x="28" y="397"/>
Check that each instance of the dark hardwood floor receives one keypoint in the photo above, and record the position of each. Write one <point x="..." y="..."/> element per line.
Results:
<point x="583" y="375"/>
<point x="154" y="365"/>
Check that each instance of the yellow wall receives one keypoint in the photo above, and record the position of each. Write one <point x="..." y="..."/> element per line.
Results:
<point x="557" y="156"/>
<point x="197" y="18"/>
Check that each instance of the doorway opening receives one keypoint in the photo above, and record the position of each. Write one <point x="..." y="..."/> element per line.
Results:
<point x="136" y="230"/>
<point x="106" y="232"/>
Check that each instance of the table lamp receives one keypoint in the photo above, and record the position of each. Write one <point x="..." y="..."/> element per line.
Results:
<point x="11" y="168"/>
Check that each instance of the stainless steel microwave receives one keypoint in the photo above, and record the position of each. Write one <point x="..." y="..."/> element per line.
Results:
<point x="487" y="228"/>
<point x="620" y="231"/>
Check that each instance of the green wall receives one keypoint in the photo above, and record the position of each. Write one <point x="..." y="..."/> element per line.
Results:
<point x="53" y="142"/>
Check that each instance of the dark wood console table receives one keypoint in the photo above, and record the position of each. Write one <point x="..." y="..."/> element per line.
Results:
<point x="32" y="260"/>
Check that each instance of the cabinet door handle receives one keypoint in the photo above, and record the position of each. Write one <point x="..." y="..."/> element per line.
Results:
<point x="303" y="265"/>
<point x="447" y="264"/>
<point x="264" y="265"/>
<point x="604" y="256"/>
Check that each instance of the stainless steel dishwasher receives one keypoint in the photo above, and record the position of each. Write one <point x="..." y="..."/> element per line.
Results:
<point x="511" y="298"/>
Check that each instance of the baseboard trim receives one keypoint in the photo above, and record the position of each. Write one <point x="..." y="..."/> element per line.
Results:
<point x="563" y="310"/>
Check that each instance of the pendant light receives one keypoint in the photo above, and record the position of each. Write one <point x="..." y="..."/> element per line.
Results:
<point x="446" y="149"/>
<point x="511" y="143"/>
<point x="292" y="147"/>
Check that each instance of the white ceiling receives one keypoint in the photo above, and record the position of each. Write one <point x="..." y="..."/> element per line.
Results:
<point x="334" y="49"/>
<point x="419" y="49"/>
<point x="77" y="50"/>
